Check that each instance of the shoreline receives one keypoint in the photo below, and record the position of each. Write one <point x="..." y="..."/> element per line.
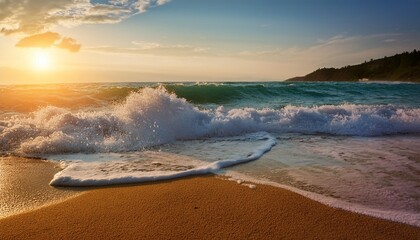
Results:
<point x="24" y="185"/>
<point x="408" y="218"/>
<point x="197" y="207"/>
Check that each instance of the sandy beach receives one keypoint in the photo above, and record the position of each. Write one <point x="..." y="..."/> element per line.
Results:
<point x="24" y="185"/>
<point x="196" y="208"/>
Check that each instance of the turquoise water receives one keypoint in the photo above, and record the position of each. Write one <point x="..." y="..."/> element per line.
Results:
<point x="350" y="145"/>
<point x="275" y="95"/>
<point x="256" y="95"/>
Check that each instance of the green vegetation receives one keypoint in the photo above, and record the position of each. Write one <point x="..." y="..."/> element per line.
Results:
<point x="400" y="67"/>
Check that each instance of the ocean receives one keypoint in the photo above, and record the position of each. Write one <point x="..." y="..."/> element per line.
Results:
<point x="348" y="145"/>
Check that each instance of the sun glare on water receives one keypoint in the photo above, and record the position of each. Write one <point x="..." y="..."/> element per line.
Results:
<point x="42" y="61"/>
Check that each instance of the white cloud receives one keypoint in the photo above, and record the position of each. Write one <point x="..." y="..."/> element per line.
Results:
<point x="143" y="5"/>
<point x="152" y="48"/>
<point x="390" y="40"/>
<point x="29" y="17"/>
<point x="146" y="45"/>
<point x="152" y="45"/>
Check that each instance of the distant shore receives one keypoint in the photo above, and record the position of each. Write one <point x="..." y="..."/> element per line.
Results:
<point x="196" y="208"/>
<point x="403" y="67"/>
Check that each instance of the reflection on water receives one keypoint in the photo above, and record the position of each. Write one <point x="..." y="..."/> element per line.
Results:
<point x="30" y="98"/>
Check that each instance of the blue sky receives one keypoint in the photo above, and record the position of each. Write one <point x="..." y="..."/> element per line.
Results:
<point x="270" y="22"/>
<point x="219" y="39"/>
<point x="280" y="22"/>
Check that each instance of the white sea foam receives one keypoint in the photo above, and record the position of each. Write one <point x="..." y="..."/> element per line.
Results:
<point x="99" y="173"/>
<point x="153" y="116"/>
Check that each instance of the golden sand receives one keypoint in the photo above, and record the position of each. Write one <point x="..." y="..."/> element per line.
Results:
<point x="197" y="208"/>
<point x="24" y="185"/>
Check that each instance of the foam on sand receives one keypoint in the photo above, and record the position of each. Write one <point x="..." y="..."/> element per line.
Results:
<point x="122" y="172"/>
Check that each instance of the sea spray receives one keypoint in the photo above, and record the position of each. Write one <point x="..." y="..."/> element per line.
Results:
<point x="153" y="116"/>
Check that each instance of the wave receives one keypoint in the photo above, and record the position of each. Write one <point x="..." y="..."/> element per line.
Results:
<point x="101" y="173"/>
<point x="303" y="93"/>
<point x="219" y="93"/>
<point x="154" y="116"/>
<point x="26" y="99"/>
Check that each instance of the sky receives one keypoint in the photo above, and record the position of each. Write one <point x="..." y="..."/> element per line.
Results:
<point x="196" y="40"/>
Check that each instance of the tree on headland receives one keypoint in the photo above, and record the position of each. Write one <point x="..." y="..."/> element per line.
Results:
<point x="400" y="67"/>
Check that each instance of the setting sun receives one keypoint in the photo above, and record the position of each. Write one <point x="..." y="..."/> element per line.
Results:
<point x="41" y="60"/>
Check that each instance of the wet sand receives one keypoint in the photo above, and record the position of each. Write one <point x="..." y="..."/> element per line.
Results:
<point x="24" y="185"/>
<point x="196" y="208"/>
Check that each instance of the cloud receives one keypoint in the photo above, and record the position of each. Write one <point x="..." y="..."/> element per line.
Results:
<point x="43" y="40"/>
<point x="157" y="46"/>
<point x="389" y="40"/>
<point x="30" y="17"/>
<point x="153" y="48"/>
<point x="339" y="46"/>
<point x="47" y="40"/>
<point x="33" y="17"/>
<point x="69" y="44"/>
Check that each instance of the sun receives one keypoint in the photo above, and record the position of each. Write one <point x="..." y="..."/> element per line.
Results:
<point x="42" y="60"/>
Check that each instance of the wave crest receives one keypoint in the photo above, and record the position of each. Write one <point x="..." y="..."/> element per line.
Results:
<point x="154" y="116"/>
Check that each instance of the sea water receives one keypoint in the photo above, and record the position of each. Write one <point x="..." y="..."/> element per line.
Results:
<point x="349" y="145"/>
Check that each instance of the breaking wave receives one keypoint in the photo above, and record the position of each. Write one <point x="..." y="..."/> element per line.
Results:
<point x="154" y="116"/>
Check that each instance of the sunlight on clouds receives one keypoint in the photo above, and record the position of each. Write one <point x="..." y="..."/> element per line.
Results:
<point x="34" y="17"/>
<point x="48" y="40"/>
<point x="153" y="48"/>
<point x="29" y="17"/>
